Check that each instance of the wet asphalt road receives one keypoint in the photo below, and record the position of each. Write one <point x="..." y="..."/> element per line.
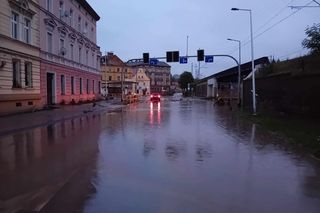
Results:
<point x="184" y="156"/>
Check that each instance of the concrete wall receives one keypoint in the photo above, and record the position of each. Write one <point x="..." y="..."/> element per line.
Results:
<point x="286" y="94"/>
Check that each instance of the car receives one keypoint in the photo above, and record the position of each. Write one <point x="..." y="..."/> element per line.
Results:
<point x="155" y="97"/>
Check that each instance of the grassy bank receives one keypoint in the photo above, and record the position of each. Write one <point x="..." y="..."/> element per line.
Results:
<point x="302" y="132"/>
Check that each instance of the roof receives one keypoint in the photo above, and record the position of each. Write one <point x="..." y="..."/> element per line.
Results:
<point x="139" y="62"/>
<point x="112" y="60"/>
<point x="245" y="69"/>
<point x="89" y="9"/>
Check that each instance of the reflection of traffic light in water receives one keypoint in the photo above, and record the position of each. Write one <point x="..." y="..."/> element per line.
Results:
<point x="153" y="107"/>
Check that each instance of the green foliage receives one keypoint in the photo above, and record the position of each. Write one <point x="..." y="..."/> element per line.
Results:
<point x="312" y="42"/>
<point x="185" y="79"/>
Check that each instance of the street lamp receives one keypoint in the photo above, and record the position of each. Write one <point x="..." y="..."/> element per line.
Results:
<point x="252" y="61"/>
<point x="239" y="68"/>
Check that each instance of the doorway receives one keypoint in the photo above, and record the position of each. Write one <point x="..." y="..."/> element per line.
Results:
<point x="50" y="89"/>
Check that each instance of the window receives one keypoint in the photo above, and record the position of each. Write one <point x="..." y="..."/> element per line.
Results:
<point x="87" y="86"/>
<point x="15" y="25"/>
<point x="71" y="17"/>
<point x="86" y="31"/>
<point x="118" y="78"/>
<point x="93" y="60"/>
<point x="93" y="86"/>
<point x="49" y="42"/>
<point x="16" y="74"/>
<point x="27" y="31"/>
<point x="49" y="5"/>
<point x="28" y="74"/>
<point x="80" y="54"/>
<point x="110" y="78"/>
<point x="87" y="57"/>
<point x="79" y="24"/>
<point x="99" y="86"/>
<point x="61" y="45"/>
<point x="118" y="69"/>
<point x="61" y="9"/>
<point x="72" y="85"/>
<point x="63" y="85"/>
<point x="80" y="82"/>
<point x="71" y="52"/>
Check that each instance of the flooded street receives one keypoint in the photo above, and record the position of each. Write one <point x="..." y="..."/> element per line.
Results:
<point x="184" y="156"/>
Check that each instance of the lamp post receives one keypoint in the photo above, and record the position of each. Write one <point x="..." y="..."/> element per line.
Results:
<point x="239" y="69"/>
<point x="252" y="61"/>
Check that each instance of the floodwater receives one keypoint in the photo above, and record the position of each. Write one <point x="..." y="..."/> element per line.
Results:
<point x="182" y="156"/>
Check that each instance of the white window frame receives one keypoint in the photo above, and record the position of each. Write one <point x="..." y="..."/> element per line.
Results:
<point x="63" y="84"/>
<point x="80" y="55"/>
<point x="27" y="31"/>
<point x="80" y="86"/>
<point x="87" y="57"/>
<point x="49" y="5"/>
<point x="28" y="74"/>
<point x="16" y="73"/>
<point x="79" y="23"/>
<point x="49" y="45"/>
<point x="15" y="25"/>
<point x="72" y="52"/>
<point x="61" y="9"/>
<point x="72" y="86"/>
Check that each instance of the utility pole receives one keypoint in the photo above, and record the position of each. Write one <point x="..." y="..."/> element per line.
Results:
<point x="187" y="46"/>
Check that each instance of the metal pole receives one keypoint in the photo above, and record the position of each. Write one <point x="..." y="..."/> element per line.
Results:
<point x="253" y="71"/>
<point x="122" y="84"/>
<point x="187" y="46"/>
<point x="239" y="75"/>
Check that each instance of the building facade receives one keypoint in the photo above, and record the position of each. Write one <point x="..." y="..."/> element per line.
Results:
<point x="70" y="57"/>
<point x="19" y="56"/>
<point x="159" y="74"/>
<point x="115" y="74"/>
<point x="142" y="82"/>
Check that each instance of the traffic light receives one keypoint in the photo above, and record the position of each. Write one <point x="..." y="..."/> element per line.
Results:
<point x="176" y="56"/>
<point x="173" y="56"/>
<point x="146" y="58"/>
<point x="169" y="57"/>
<point x="200" y="55"/>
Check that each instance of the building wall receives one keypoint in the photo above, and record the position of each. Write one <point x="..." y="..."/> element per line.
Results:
<point x="143" y="82"/>
<point x="19" y="96"/>
<point x="74" y="50"/>
<point x="68" y="97"/>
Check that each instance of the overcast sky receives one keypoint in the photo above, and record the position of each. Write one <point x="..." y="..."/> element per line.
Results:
<point x="131" y="27"/>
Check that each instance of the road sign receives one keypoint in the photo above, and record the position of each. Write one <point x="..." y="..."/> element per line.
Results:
<point x="183" y="60"/>
<point x="153" y="61"/>
<point x="209" y="59"/>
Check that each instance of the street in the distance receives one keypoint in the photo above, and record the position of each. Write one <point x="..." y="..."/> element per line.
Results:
<point x="169" y="156"/>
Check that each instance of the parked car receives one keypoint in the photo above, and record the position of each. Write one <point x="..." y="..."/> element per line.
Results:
<point x="155" y="97"/>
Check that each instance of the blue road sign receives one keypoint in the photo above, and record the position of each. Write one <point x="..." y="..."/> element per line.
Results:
<point x="183" y="60"/>
<point x="153" y="61"/>
<point x="209" y="59"/>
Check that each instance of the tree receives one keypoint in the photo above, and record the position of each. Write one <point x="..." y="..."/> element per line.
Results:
<point x="312" y="42"/>
<point x="185" y="79"/>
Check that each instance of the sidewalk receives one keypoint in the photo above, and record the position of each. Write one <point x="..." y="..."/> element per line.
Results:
<point x="18" y="122"/>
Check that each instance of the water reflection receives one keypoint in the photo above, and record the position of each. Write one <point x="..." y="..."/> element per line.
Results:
<point x="55" y="163"/>
<point x="155" y="111"/>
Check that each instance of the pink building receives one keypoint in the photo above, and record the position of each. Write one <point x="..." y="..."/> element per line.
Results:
<point x="69" y="55"/>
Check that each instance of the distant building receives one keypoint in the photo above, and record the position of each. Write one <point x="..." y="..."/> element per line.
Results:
<point x="70" y="57"/>
<point x="142" y="82"/>
<point x="159" y="74"/>
<point x="115" y="73"/>
<point x="19" y="56"/>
